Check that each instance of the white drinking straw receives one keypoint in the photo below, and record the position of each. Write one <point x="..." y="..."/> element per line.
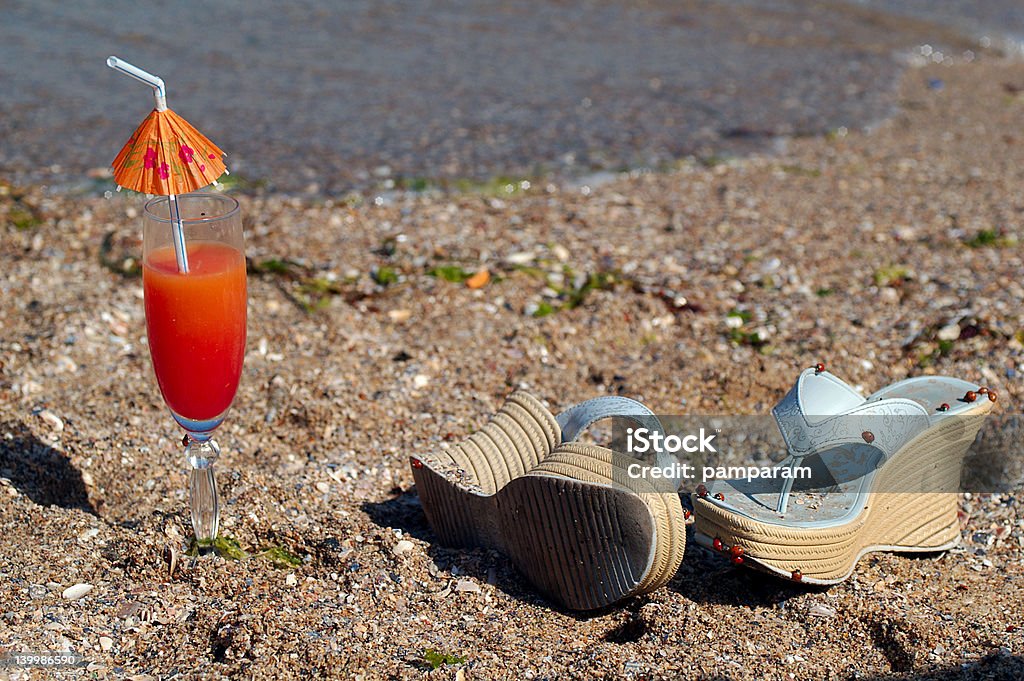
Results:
<point x="160" y="93"/>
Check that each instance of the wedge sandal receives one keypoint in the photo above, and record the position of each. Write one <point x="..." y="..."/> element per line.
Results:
<point x="575" y="525"/>
<point x="884" y="473"/>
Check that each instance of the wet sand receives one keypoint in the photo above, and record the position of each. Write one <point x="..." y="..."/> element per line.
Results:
<point x="854" y="250"/>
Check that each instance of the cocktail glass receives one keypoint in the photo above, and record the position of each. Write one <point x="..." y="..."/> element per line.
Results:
<point x="195" y="325"/>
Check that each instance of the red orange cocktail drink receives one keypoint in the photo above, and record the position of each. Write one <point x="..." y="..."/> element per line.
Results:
<point x="196" y="322"/>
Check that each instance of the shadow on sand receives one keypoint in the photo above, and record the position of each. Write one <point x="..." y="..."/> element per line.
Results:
<point x="994" y="667"/>
<point x="704" y="577"/>
<point x="404" y="512"/>
<point x="39" y="471"/>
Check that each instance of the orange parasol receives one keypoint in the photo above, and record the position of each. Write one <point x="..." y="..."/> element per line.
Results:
<point x="165" y="155"/>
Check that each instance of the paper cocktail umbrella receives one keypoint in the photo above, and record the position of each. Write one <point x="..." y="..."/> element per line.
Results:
<point x="165" y="155"/>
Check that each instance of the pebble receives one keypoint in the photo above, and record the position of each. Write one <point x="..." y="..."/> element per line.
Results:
<point x="399" y="316"/>
<point x="89" y="534"/>
<point x="467" y="586"/>
<point x="291" y="579"/>
<point x="950" y="332"/>
<point x="52" y="420"/>
<point x="521" y="258"/>
<point x="403" y="548"/>
<point x="106" y="643"/>
<point x="819" y="610"/>
<point x="73" y="593"/>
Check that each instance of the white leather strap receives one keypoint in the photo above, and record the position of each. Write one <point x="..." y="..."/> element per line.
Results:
<point x="578" y="418"/>
<point x="821" y="412"/>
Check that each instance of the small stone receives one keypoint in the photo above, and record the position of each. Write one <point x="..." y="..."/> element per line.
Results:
<point x="52" y="420"/>
<point x="950" y="332"/>
<point x="889" y="295"/>
<point x="399" y="316"/>
<point x="323" y="487"/>
<point x="73" y="593"/>
<point x="291" y="579"/>
<point x="521" y="258"/>
<point x="106" y="643"/>
<point x="819" y="610"/>
<point x="420" y="381"/>
<point x="89" y="534"/>
<point x="467" y="586"/>
<point x="403" y="548"/>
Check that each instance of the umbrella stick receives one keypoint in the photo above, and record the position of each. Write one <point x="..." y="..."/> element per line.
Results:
<point x="178" y="234"/>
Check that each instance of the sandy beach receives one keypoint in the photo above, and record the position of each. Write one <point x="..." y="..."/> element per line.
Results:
<point x="367" y="346"/>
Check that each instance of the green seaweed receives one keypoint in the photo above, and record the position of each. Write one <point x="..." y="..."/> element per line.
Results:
<point x="800" y="170"/>
<point x="743" y="315"/>
<point x="744" y="337"/>
<point x="280" y="557"/>
<point x="597" y="281"/>
<point x="544" y="308"/>
<point x="384" y="276"/>
<point x="414" y="184"/>
<point x="435" y="659"/>
<point x="223" y="546"/>
<point x="452" y="273"/>
<point x="274" y="266"/>
<point x="891" y="275"/>
<point x="740" y="335"/>
<point x="990" y="238"/>
<point x="531" y="271"/>
<point x="23" y="219"/>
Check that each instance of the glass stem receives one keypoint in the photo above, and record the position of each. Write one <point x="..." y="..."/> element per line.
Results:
<point x="203" y="487"/>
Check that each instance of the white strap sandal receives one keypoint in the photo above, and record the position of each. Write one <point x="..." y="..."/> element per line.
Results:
<point x="880" y="474"/>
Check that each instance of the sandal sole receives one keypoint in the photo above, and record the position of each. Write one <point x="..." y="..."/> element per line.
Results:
<point x="580" y="537"/>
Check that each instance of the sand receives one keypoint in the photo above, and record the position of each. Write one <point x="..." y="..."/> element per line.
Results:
<point x="855" y="249"/>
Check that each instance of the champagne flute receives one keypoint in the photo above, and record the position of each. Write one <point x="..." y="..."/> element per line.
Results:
<point x="195" y="327"/>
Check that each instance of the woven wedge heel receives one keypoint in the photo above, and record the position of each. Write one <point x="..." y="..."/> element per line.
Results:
<point x="906" y="502"/>
<point x="579" y="529"/>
